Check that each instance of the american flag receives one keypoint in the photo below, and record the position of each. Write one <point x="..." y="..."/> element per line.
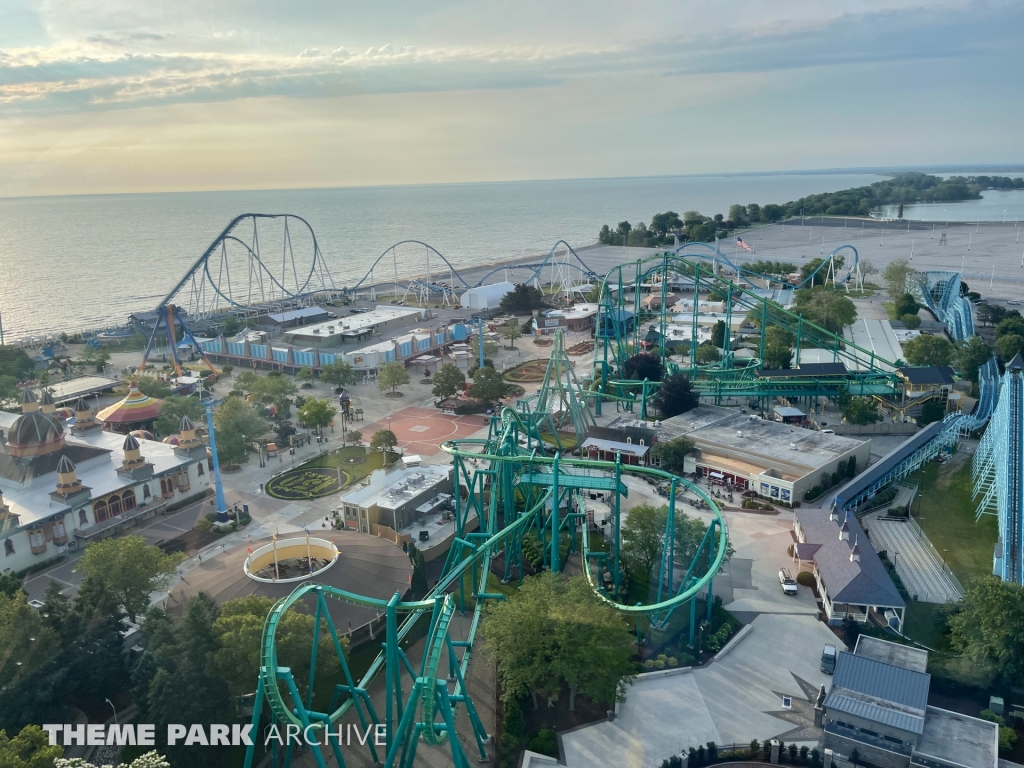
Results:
<point x="744" y="246"/>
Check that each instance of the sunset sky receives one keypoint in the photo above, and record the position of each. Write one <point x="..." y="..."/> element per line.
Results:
<point x="131" y="96"/>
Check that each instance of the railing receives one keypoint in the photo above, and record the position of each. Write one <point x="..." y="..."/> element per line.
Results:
<point x="872" y="741"/>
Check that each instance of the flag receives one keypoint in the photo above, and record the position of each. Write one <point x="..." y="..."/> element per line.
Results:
<point x="744" y="246"/>
<point x="249" y="550"/>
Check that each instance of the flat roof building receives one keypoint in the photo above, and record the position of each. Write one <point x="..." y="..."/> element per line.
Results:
<point x="277" y="322"/>
<point x="353" y="329"/>
<point x="878" y="707"/>
<point x="485" y="297"/>
<point x="578" y="317"/>
<point x="779" y="461"/>
<point x="392" y="498"/>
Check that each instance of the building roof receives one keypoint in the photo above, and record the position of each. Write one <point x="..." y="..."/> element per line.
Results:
<point x="805" y="370"/>
<point x="349" y="325"/>
<point x="492" y="291"/>
<point x="931" y="374"/>
<point x="136" y="407"/>
<point x="883" y="466"/>
<point x="880" y="692"/>
<point x="787" y="412"/>
<point x="897" y="654"/>
<point x="296" y="314"/>
<point x="391" y="490"/>
<point x="956" y="739"/>
<point x="860" y="582"/>
<point x="613" y="446"/>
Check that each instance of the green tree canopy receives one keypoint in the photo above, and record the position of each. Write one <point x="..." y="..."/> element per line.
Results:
<point x="488" y="385"/>
<point x="152" y="386"/>
<point x="1007" y="347"/>
<point x="552" y="632"/>
<point x="928" y="350"/>
<point x="28" y="749"/>
<point x="272" y="389"/>
<point x="989" y="628"/>
<point x="391" y="376"/>
<point x="643" y="538"/>
<point x="173" y="408"/>
<point x="897" y="276"/>
<point x="305" y="375"/>
<point x="338" y="374"/>
<point x="383" y="440"/>
<point x="130" y="569"/>
<point x="737" y="213"/>
<point x="644" y="365"/>
<point x="236" y="423"/>
<point x="707" y="354"/>
<point x="511" y="331"/>
<point x="906" y="304"/>
<point x="1011" y="325"/>
<point x="861" y="411"/>
<point x="522" y="299"/>
<point x="16" y="363"/>
<point x="828" y="309"/>
<point x="448" y="380"/>
<point x="316" y="414"/>
<point x="675" y="396"/>
<point x="718" y="334"/>
<point x="672" y="453"/>
<point x="970" y="356"/>
<point x="778" y="348"/>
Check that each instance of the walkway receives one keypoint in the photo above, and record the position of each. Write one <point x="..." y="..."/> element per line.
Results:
<point x="917" y="563"/>
<point x="735" y="699"/>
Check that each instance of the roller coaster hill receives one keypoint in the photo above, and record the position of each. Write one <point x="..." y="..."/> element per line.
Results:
<point x="530" y="504"/>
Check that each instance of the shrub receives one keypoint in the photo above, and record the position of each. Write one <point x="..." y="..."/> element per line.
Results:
<point x="513" y="723"/>
<point x="659" y="664"/>
<point x="227" y="368"/>
<point x="805" y="579"/>
<point x="792" y="752"/>
<point x="204" y="524"/>
<point x="815" y="756"/>
<point x="649" y="664"/>
<point x="544" y="742"/>
<point x="755" y="748"/>
<point x="673" y="662"/>
<point x="803" y="753"/>
<point x="712" y="750"/>
<point x="700" y="754"/>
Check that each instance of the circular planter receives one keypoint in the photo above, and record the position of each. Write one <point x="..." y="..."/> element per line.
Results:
<point x="303" y="484"/>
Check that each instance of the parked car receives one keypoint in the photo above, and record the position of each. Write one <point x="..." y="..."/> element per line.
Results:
<point x="828" y="431"/>
<point x="828" y="659"/>
<point x="787" y="581"/>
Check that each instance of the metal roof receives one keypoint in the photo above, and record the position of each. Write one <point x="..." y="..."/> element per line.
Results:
<point x="884" y="693"/>
<point x="932" y="374"/>
<point x="295" y="314"/>
<point x="885" y="465"/>
<point x="614" y="446"/>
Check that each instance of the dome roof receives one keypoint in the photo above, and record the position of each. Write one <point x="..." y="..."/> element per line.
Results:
<point x="186" y="423"/>
<point x="28" y="396"/>
<point x="130" y="443"/>
<point x="47" y="398"/>
<point x="81" y="406"/>
<point x="65" y="466"/>
<point x="34" y="433"/>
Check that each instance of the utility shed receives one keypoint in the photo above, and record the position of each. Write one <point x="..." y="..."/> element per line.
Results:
<point x="485" y="297"/>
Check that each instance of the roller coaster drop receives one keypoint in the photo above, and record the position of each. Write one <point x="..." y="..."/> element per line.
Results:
<point x="515" y="492"/>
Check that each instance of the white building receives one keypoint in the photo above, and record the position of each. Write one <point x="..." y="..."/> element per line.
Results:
<point x="391" y="498"/>
<point x="485" y="297"/>
<point x="63" y="487"/>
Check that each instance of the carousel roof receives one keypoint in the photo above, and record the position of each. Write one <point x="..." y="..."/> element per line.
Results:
<point x="135" y="407"/>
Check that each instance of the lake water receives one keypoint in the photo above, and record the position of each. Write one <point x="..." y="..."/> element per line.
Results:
<point x="994" y="205"/>
<point x="85" y="262"/>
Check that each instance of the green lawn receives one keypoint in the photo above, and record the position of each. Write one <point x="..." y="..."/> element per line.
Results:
<point x="890" y="309"/>
<point x="355" y="472"/>
<point x="947" y="512"/>
<point x="926" y="623"/>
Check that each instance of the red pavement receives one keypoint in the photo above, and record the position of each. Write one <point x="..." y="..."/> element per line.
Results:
<point x="422" y="430"/>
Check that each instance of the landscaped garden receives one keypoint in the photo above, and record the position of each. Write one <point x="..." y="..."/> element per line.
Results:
<point x="319" y="477"/>
<point x="531" y="371"/>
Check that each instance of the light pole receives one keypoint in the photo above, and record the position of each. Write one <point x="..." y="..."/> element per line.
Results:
<point x="113" y="709"/>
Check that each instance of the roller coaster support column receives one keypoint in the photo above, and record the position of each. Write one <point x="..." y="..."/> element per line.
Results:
<point x="222" y="505"/>
<point x="799" y="339"/>
<point x="555" y="503"/>
<point x="636" y="308"/>
<point x="711" y="561"/>
<point x="643" y="401"/>
<point x="393" y="684"/>
<point x="693" y="330"/>
<point x="480" y="338"/>
<point x="616" y="573"/>
<point x="764" y="327"/>
<point x="726" y="339"/>
<point x="664" y="297"/>
<point x="668" y="556"/>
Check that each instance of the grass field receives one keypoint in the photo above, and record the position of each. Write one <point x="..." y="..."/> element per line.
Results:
<point x="947" y="518"/>
<point x="926" y="623"/>
<point x="355" y="472"/>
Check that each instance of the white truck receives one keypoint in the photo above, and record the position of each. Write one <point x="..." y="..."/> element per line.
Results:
<point x="787" y="581"/>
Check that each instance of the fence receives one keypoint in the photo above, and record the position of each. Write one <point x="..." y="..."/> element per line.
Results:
<point x="740" y="755"/>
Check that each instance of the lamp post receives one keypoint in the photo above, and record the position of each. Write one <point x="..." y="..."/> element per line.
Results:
<point x="113" y="708"/>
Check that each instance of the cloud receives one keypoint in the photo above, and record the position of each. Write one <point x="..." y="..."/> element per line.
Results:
<point x="114" y="71"/>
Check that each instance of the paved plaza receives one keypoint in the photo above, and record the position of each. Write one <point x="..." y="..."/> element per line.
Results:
<point x="422" y="430"/>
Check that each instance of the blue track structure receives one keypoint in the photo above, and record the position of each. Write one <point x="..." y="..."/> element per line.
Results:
<point x="997" y="474"/>
<point x="940" y="292"/>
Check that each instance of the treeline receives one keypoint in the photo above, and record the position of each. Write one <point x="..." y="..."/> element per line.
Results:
<point x="901" y="189"/>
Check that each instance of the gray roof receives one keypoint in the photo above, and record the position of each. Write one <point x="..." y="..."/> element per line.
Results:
<point x="957" y="739"/>
<point x="613" y="446"/>
<point x="883" y="693"/>
<point x="863" y="582"/>
<point x="295" y="314"/>
<point x="897" y="654"/>
<point x="931" y="374"/>
<point x="883" y="466"/>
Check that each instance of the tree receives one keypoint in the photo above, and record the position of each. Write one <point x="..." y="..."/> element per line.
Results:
<point x="522" y="300"/>
<point x="898" y="276"/>
<point x="643" y="536"/>
<point x="10" y="585"/>
<point x="861" y="410"/>
<point x="810" y="268"/>
<point x="230" y="325"/>
<point x="737" y="214"/>
<point x="152" y="387"/>
<point x="151" y="759"/>
<point x="1011" y="325"/>
<point x="391" y="376"/>
<point x="828" y="309"/>
<point x="238" y="630"/>
<point x="130" y="569"/>
<point x="778" y="348"/>
<point x="488" y="385"/>
<point x="772" y="213"/>
<point x="604" y="237"/>
<point x="753" y="212"/>
<point x="355" y="437"/>
<point x="552" y="632"/>
<point x="718" y="334"/>
<point x="173" y="408"/>
<point x="273" y="389"/>
<point x="970" y="356"/>
<point x="672" y="453"/>
<point x="383" y="440"/>
<point x="644" y="365"/>
<point x="511" y="331"/>
<point x="928" y="350"/>
<point x="29" y="749"/>
<point x="663" y="223"/>
<point x="675" y="396"/>
<point x="906" y="304"/>
<point x="16" y="363"/>
<point x="989" y="628"/>
<point x="931" y="411"/>
<point x="236" y="423"/>
<point x="701" y="233"/>
<point x="95" y="357"/>
<point x="448" y="381"/>
<point x="707" y="354"/>
<point x="305" y="375"/>
<point x="316" y="414"/>
<point x="338" y="374"/>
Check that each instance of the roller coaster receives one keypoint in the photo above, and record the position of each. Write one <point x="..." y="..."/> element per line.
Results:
<point x="516" y="491"/>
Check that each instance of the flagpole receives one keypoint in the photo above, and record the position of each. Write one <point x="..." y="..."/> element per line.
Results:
<point x="277" y="574"/>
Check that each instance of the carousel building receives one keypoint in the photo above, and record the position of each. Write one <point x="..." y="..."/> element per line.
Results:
<point x="135" y="411"/>
<point x="63" y="486"/>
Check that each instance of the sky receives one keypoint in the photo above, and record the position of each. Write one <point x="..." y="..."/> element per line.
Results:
<point x="108" y="96"/>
